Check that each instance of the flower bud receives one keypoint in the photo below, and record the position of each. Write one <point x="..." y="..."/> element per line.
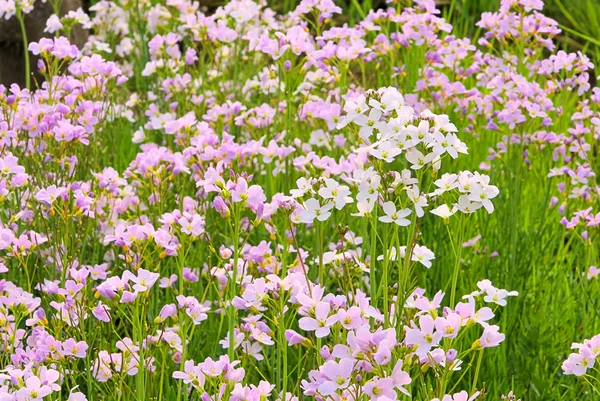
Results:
<point x="324" y="351"/>
<point x="166" y="312"/>
<point x="451" y="355"/>
<point x="221" y="207"/>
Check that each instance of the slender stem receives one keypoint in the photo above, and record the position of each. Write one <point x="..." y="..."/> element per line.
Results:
<point x="162" y="374"/>
<point x="479" y="358"/>
<point x="458" y="250"/>
<point x="404" y="268"/>
<point x="373" y="254"/>
<point x="21" y="19"/>
<point x="182" y="327"/>
<point x="308" y="283"/>
<point x="232" y="288"/>
<point x="140" y="377"/>
<point x="591" y="385"/>
<point x="384" y="278"/>
<point x="320" y="247"/>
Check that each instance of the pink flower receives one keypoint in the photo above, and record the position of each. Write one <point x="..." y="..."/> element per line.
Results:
<point x="321" y="323"/>
<point x="491" y="337"/>
<point x="252" y="196"/>
<point x="74" y="348"/>
<point x="350" y="319"/>
<point x="33" y="390"/>
<point x="44" y="45"/>
<point x="378" y="388"/>
<point x="143" y="281"/>
<point x="166" y="312"/>
<point x="197" y="313"/>
<point x="424" y="338"/>
<point x="100" y="312"/>
<point x="400" y="377"/>
<point x="48" y="195"/>
<point x="578" y="363"/>
<point x="166" y="282"/>
<point x="462" y="396"/>
<point x="294" y="338"/>
<point x="77" y="396"/>
<point x="337" y="375"/>
<point x="448" y="325"/>
<point x="192" y="225"/>
<point x="593" y="272"/>
<point x="191" y="374"/>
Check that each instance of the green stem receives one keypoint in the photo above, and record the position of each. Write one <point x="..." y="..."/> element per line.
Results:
<point x="372" y="277"/>
<point x="232" y="287"/>
<point x="384" y="278"/>
<point x="21" y="19"/>
<point x="404" y="267"/>
<point x="320" y="247"/>
<point x="140" y="377"/>
<point x="479" y="358"/>
<point x="458" y="251"/>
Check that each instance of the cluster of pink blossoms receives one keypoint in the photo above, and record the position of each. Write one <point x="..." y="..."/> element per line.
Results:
<point x="578" y="363"/>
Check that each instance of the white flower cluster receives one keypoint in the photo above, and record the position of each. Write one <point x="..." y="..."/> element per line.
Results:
<point x="389" y="129"/>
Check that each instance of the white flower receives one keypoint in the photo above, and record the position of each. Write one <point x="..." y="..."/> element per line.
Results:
<point x="353" y="109"/>
<point x="53" y="24"/>
<point x="313" y="209"/>
<point x="493" y="294"/>
<point x="423" y="255"/>
<point x="466" y="181"/>
<point x="367" y="124"/>
<point x="304" y="186"/>
<point x="443" y="211"/>
<point x="139" y="136"/>
<point x="319" y="138"/>
<point x="339" y="193"/>
<point x="442" y="122"/>
<point x="443" y="144"/>
<point x="393" y="216"/>
<point x="446" y="183"/>
<point x="421" y="133"/>
<point x="392" y="253"/>
<point x="419" y="200"/>
<point x="360" y="175"/>
<point x="465" y="205"/>
<point x="460" y="146"/>
<point x="364" y="207"/>
<point x="483" y="194"/>
<point x="391" y="99"/>
<point x="368" y="189"/>
<point x="418" y="159"/>
<point x="405" y="178"/>
<point x="386" y="152"/>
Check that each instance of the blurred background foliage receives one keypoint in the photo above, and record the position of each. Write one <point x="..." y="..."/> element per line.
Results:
<point x="579" y="19"/>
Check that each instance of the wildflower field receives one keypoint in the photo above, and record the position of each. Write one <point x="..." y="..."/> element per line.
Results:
<point x="301" y="200"/>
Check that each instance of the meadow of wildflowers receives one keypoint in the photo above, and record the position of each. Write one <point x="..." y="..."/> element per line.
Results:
<point x="252" y="204"/>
